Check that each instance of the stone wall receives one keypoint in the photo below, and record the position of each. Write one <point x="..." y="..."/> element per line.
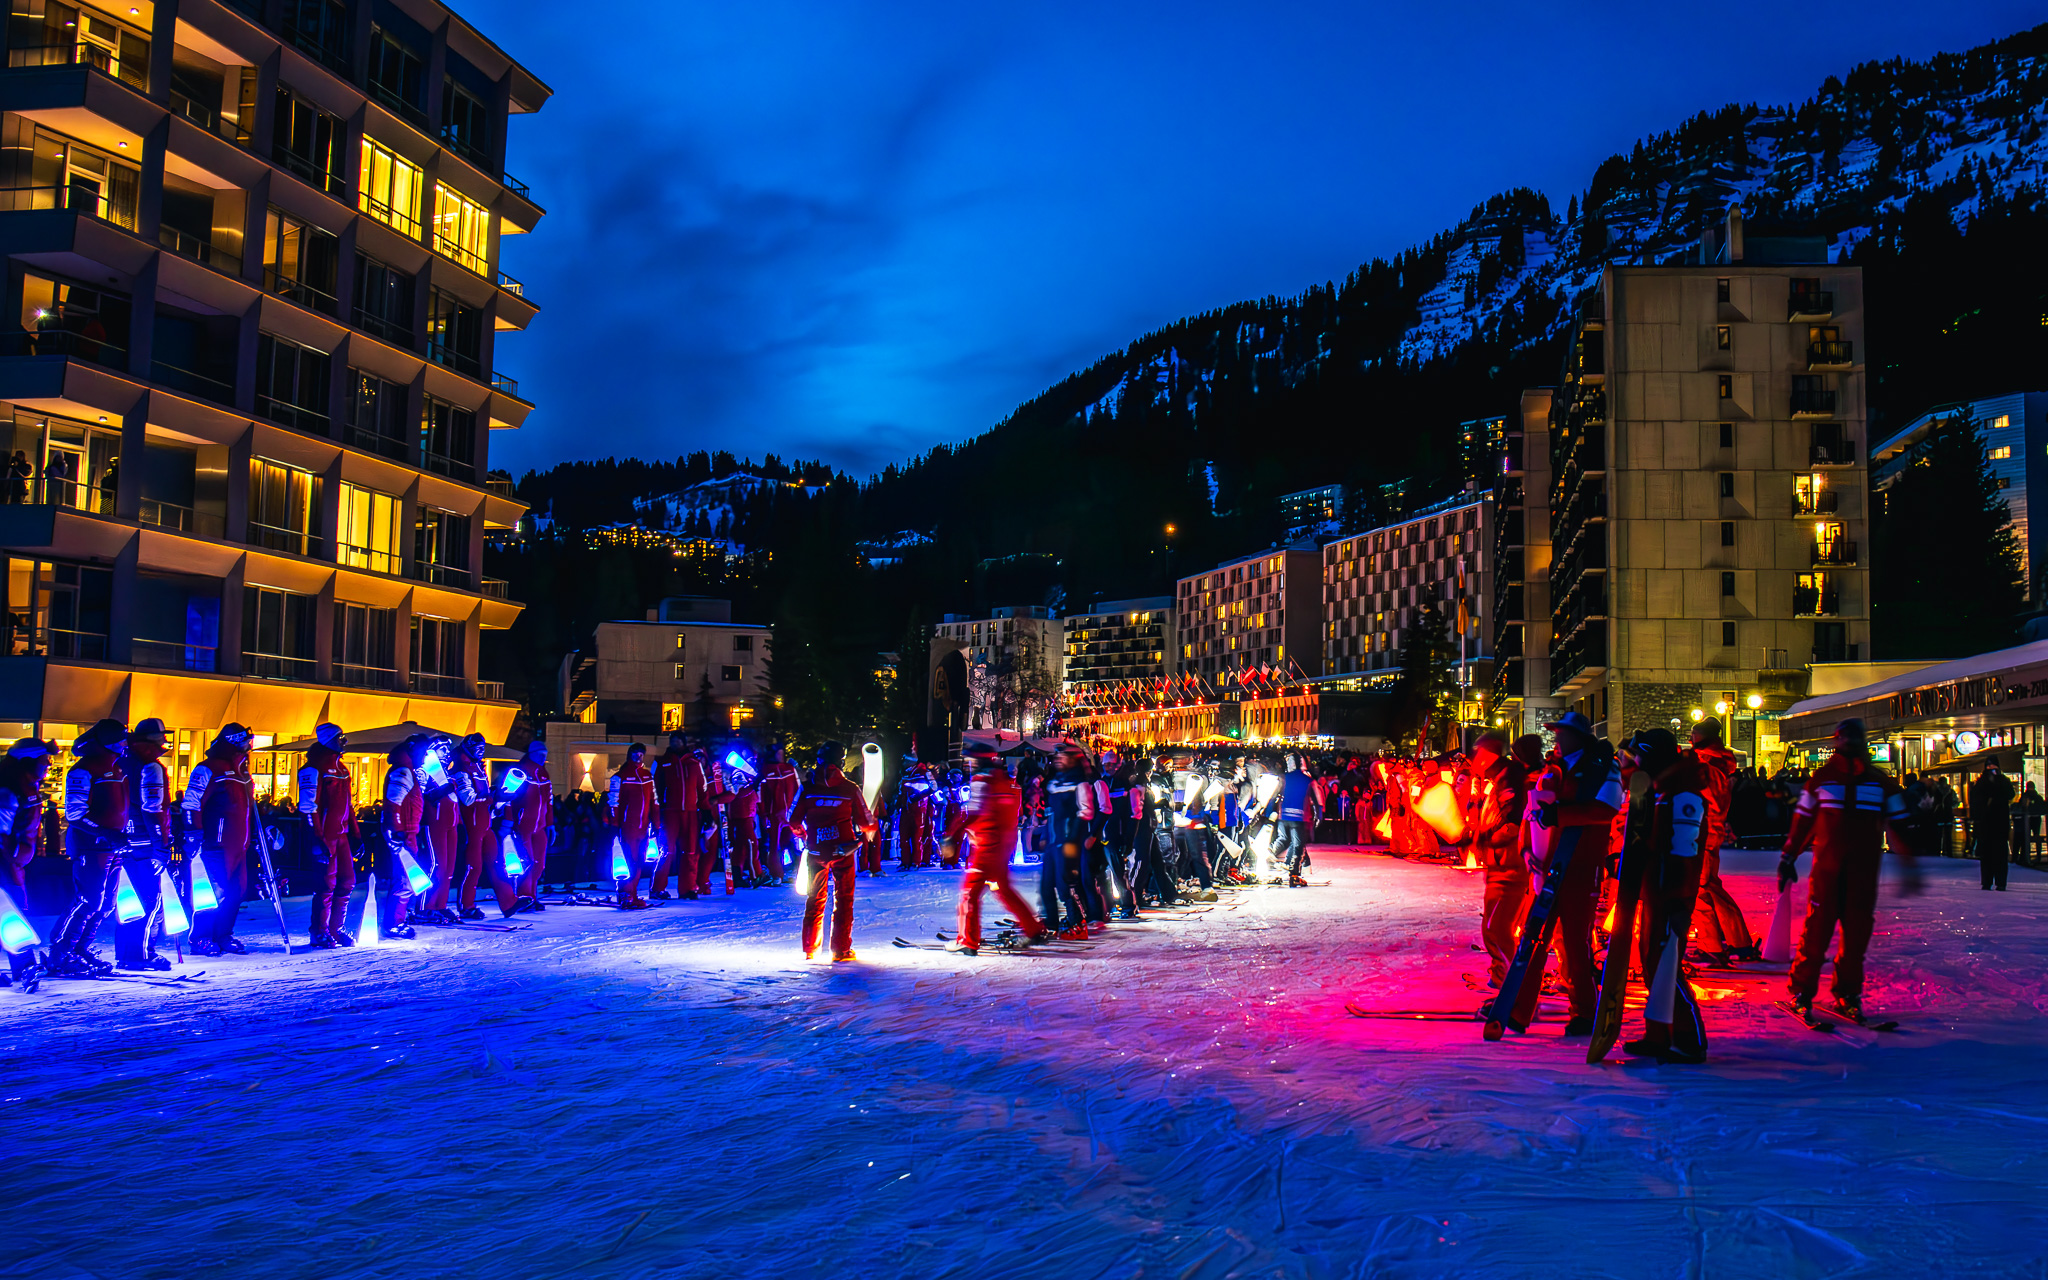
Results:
<point x="1643" y="705"/>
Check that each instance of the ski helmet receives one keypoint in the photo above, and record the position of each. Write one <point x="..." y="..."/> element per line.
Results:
<point x="331" y="737"/>
<point x="234" y="737"/>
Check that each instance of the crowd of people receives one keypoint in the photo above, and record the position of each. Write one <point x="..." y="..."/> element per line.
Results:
<point x="1113" y="833"/>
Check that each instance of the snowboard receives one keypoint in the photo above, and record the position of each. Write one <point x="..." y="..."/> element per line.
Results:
<point x="1628" y="894"/>
<point x="1536" y="928"/>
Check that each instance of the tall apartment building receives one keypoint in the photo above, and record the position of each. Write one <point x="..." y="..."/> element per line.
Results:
<point x="1009" y="634"/>
<point x="1520" y="690"/>
<point x="1708" y="503"/>
<point x="1262" y="610"/>
<point x="1313" y="513"/>
<point x="1378" y="584"/>
<point x="1117" y="642"/>
<point x="248" y="362"/>
<point x="2014" y="428"/>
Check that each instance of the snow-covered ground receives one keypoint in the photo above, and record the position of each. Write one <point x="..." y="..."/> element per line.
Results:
<point x="676" y="1094"/>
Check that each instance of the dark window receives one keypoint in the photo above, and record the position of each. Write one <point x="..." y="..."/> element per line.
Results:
<point x="1727" y="435"/>
<point x="397" y="76"/>
<point x="383" y="301"/>
<point x="277" y="633"/>
<point x="1727" y="584"/>
<point x="365" y="645"/>
<point x="437" y="645"/>
<point x="309" y="143"/>
<point x="194" y="354"/>
<point x="176" y="621"/>
<point x="1727" y="533"/>
<point x="1727" y="635"/>
<point x="455" y="333"/>
<point x="465" y="123"/>
<point x="728" y="673"/>
<point x="376" y="414"/>
<point x="741" y="644"/>
<point x="1727" y="484"/>
<point x="448" y="439"/>
<point x="320" y="27"/>
<point x="1727" y="385"/>
<point x="1722" y="337"/>
<point x="291" y="383"/>
<point x="1721" y="289"/>
<point x="299" y="261"/>
<point x="440" y="547"/>
<point x="1830" y="642"/>
<point x="284" y="508"/>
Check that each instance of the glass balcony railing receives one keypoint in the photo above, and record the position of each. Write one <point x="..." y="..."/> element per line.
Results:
<point x="297" y="417"/>
<point x="445" y="686"/>
<point x="491" y="690"/>
<point x="63" y="342"/>
<point x="496" y="588"/>
<point x="187" y="245"/>
<point x="510" y="386"/>
<point x="450" y="247"/>
<point x="169" y="515"/>
<point x="299" y="291"/>
<point x="516" y="187"/>
<point x="511" y="286"/>
<point x="318" y="175"/>
<point x="441" y="575"/>
<point x="214" y="122"/>
<point x="368" y="558"/>
<point x="298" y="542"/>
<point x="192" y="383"/>
<point x="174" y="655"/>
<point x="83" y="198"/>
<point x="371" y="442"/>
<point x="407" y="224"/>
<point x="132" y="71"/>
<point x="361" y="677"/>
<point x="272" y="666"/>
<point x="59" y="642"/>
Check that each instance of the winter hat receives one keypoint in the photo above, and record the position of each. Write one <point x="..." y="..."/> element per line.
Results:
<point x="150" y="730"/>
<point x="475" y="745"/>
<point x="101" y="736"/>
<point x="330" y="736"/>
<point x="234" y="736"/>
<point x="29" y="749"/>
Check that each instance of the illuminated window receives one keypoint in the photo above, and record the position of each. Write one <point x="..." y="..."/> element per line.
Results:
<point x="2001" y="422"/>
<point x="369" y="529"/>
<point x="390" y="188"/>
<point x="462" y="228"/>
<point x="2000" y="454"/>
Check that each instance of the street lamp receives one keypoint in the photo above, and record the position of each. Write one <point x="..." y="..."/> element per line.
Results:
<point x="1756" y="755"/>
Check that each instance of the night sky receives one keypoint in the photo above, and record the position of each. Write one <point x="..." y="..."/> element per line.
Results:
<point x="851" y="231"/>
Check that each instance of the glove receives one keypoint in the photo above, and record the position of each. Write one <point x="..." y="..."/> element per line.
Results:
<point x="1788" y="871"/>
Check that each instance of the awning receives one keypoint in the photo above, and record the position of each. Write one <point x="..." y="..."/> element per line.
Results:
<point x="385" y="740"/>
<point x="2008" y="759"/>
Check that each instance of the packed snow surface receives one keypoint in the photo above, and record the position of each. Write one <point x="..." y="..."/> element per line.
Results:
<point x="675" y="1093"/>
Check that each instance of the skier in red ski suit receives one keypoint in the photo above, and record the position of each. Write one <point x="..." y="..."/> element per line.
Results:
<point x="779" y="785"/>
<point x="678" y="782"/>
<point x="440" y="832"/>
<point x="989" y="820"/>
<point x="1849" y="810"/>
<point x="1579" y="792"/>
<point x="532" y="814"/>
<point x="836" y="821"/>
<point x="220" y="809"/>
<point x="629" y="807"/>
<point x="96" y="809"/>
<point x="914" y="823"/>
<point x="1496" y="832"/>
<point x="22" y="775"/>
<point x="1680" y="819"/>
<point x="327" y="802"/>
<point x="1723" y="933"/>
<point x="405" y="799"/>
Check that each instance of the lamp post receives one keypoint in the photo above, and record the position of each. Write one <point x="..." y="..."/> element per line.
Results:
<point x="1756" y="755"/>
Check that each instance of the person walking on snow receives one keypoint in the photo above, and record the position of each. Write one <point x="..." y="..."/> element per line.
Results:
<point x="22" y="774"/>
<point x="1991" y="797"/>
<point x="327" y="802"/>
<point x="989" y="820"/>
<point x="220" y="817"/>
<point x="779" y="785"/>
<point x="531" y="815"/>
<point x="405" y="796"/>
<point x="1577" y="796"/>
<point x="1678" y="831"/>
<point x="1847" y="812"/>
<point x="1497" y="840"/>
<point x="629" y="807"/>
<point x="149" y="844"/>
<point x="836" y="821"/>
<point x="678" y="783"/>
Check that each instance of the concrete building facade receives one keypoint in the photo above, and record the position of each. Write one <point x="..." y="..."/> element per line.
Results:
<point x="248" y="360"/>
<point x="1262" y="610"/>
<point x="1377" y="585"/>
<point x="1119" y="642"/>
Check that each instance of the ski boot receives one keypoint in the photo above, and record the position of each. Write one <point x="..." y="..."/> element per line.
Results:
<point x="29" y="980"/>
<point x="153" y="964"/>
<point x="204" y="947"/>
<point x="535" y="904"/>
<point x="659" y="895"/>
<point x="523" y="904"/>
<point x="1753" y="954"/>
<point x="232" y="945"/>
<point x="960" y="946"/>
<point x="1296" y="882"/>
<point x="1579" y="1027"/>
<point x="400" y="931"/>
<point x="97" y="967"/>
<point x="343" y="938"/>
<point x="68" y="964"/>
<point x="322" y="942"/>
<point x="1079" y="933"/>
<point x="472" y="913"/>
<point x="1850" y="1007"/>
<point x="842" y="957"/>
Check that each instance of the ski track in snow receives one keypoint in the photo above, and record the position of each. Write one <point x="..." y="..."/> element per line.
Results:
<point x="675" y="1093"/>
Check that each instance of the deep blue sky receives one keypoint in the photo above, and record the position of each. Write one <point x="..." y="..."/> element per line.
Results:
<point x="825" y="228"/>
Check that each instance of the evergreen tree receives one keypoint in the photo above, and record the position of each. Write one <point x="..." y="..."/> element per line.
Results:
<point x="1945" y="564"/>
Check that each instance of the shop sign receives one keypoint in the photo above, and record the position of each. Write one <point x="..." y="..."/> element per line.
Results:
<point x="1964" y="695"/>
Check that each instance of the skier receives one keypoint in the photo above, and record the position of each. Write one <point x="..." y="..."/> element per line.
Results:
<point x="629" y="808"/>
<point x="327" y="802"/>
<point x="1848" y="810"/>
<point x="914" y="818"/>
<point x="405" y="796"/>
<point x="708" y="859"/>
<point x="1680" y="822"/>
<point x="1295" y="801"/>
<point x="96" y="809"/>
<point x="1496" y="835"/>
<point x="532" y="815"/>
<point x="678" y="782"/>
<point x="1723" y="933"/>
<point x="481" y="855"/>
<point x="740" y="797"/>
<point x="836" y="821"/>
<point x="149" y="844"/>
<point x="1062" y="889"/>
<point x="779" y="785"/>
<point x="1991" y="797"/>
<point x="448" y="793"/>
<point x="1579" y="792"/>
<point x="989" y="820"/>
<point x="220" y="825"/>
<point x="22" y="774"/>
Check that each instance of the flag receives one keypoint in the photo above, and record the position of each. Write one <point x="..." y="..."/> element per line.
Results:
<point x="1464" y="613"/>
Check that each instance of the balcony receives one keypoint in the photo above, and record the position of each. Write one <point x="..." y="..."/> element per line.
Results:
<point x="55" y="642"/>
<point x="169" y="515"/>
<point x="1810" y="304"/>
<point x="131" y="71"/>
<point x="1813" y="402"/>
<point x="1825" y="502"/>
<point x="316" y="174"/>
<point x="91" y="348"/>
<point x="297" y="417"/>
<point x="187" y="245"/>
<point x="516" y="187"/>
<point x="1815" y="600"/>
<point x="368" y="558"/>
<point x="271" y="666"/>
<point x="404" y="223"/>
<point x="454" y="468"/>
<point x="1835" y="551"/>
<point x="1830" y="355"/>
<point x="496" y="588"/>
<point x="441" y="575"/>
<point x="304" y="294"/>
<point x="440" y="685"/>
<point x="207" y="118"/>
<point x="293" y="541"/>
<point x="510" y="386"/>
<point x="356" y="676"/>
<point x="173" y="655"/>
<point x="511" y="286"/>
<point x="192" y="383"/>
<point x="451" y="248"/>
<point x="371" y="442"/>
<point x="491" y="690"/>
<point x="71" y="199"/>
<point x="1832" y="453"/>
<point x="396" y="332"/>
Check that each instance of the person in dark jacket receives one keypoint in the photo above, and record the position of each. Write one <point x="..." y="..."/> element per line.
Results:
<point x="1991" y="797"/>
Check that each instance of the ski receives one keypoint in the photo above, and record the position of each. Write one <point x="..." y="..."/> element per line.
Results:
<point x="182" y="981"/>
<point x="1620" y="942"/>
<point x="997" y="948"/>
<point x="1536" y="929"/>
<point x="1866" y="1022"/>
<point x="1410" y="1015"/>
<point x="1813" y="1021"/>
